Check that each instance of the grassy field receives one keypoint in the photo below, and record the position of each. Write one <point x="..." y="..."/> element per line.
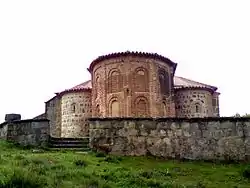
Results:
<point x="26" y="168"/>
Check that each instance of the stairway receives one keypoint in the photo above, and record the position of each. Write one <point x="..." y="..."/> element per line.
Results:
<point x="79" y="144"/>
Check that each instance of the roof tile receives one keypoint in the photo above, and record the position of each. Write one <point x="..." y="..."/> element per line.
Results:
<point x="179" y="82"/>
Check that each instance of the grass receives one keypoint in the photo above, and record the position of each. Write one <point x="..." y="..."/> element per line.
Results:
<point x="25" y="168"/>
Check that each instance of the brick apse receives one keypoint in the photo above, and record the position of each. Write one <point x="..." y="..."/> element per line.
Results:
<point x="129" y="84"/>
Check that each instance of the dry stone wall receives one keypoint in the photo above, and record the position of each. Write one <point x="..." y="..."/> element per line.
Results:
<point x="26" y="132"/>
<point x="75" y="109"/>
<point x="3" y="131"/>
<point x="195" y="139"/>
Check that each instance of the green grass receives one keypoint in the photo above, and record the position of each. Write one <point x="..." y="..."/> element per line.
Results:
<point x="24" y="168"/>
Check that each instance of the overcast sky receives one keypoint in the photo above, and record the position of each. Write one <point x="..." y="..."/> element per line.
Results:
<point x="46" y="46"/>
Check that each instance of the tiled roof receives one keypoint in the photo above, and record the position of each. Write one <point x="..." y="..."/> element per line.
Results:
<point x="41" y="116"/>
<point x="180" y="82"/>
<point x="85" y="86"/>
<point x="131" y="53"/>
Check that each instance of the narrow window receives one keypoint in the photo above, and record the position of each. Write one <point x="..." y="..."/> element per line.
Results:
<point x="114" y="108"/>
<point x="197" y="108"/>
<point x="141" y="107"/>
<point x="97" y="86"/>
<point x="98" y="112"/>
<point x="114" y="82"/>
<point x="141" y="80"/>
<point x="73" y="108"/>
<point x="164" y="109"/>
<point x="164" y="82"/>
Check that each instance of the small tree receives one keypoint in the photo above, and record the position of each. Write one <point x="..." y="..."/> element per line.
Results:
<point x="238" y="115"/>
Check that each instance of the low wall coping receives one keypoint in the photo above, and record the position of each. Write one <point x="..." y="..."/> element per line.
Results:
<point x="204" y="119"/>
<point x="23" y="121"/>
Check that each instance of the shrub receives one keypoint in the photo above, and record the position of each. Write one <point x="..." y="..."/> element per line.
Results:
<point x="20" y="179"/>
<point x="100" y="154"/>
<point x="246" y="172"/>
<point x="113" y="159"/>
<point x="80" y="163"/>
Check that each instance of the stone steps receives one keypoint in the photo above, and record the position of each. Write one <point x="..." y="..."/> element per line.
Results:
<point x="81" y="144"/>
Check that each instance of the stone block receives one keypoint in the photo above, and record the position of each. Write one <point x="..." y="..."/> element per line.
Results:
<point x="12" y="117"/>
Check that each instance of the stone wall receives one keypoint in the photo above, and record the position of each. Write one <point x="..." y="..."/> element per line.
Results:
<point x="26" y="132"/>
<point x="53" y="114"/>
<point x="194" y="103"/>
<point x="75" y="109"/>
<point x="195" y="138"/>
<point x="3" y="131"/>
<point x="216" y="104"/>
<point x="132" y="86"/>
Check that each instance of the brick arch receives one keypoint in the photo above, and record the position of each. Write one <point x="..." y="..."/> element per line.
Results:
<point x="114" y="81"/>
<point x="97" y="85"/>
<point x="97" y="110"/>
<point x="141" y="107"/>
<point x="165" y="108"/>
<point x="114" y="107"/>
<point x="164" y="81"/>
<point x="141" y="80"/>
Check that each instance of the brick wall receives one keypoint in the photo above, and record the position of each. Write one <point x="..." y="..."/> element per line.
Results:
<point x="132" y="86"/>
<point x="196" y="138"/>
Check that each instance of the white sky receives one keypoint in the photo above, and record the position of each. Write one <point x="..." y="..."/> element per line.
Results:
<point x="46" y="46"/>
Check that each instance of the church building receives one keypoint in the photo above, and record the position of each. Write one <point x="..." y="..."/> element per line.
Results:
<point x="129" y="84"/>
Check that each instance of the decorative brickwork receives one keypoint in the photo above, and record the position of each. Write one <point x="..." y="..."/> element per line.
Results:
<point x="139" y="86"/>
<point x="129" y="84"/>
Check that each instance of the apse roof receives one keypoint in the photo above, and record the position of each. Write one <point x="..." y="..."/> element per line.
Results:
<point x="179" y="82"/>
<point x="85" y="86"/>
<point x="131" y="53"/>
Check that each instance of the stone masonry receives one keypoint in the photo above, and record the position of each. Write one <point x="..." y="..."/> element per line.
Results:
<point x="193" y="103"/>
<point x="76" y="108"/>
<point x="53" y="114"/>
<point x="194" y="139"/>
<point x="33" y="132"/>
<point x="129" y="84"/>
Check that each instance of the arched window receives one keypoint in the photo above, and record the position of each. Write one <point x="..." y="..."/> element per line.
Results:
<point x="141" y="107"/>
<point x="164" y="107"/>
<point x="164" y="82"/>
<point x="198" y="108"/>
<point x="98" y="112"/>
<point x="82" y="108"/>
<point x="114" y="108"/>
<point x="73" y="108"/>
<point x="114" y="81"/>
<point x="97" y="82"/>
<point x="141" y="80"/>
